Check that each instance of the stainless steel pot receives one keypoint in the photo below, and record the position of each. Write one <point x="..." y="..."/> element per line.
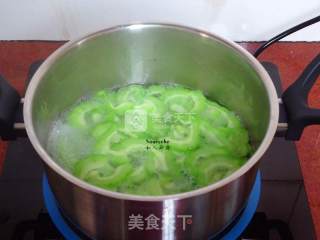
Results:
<point x="152" y="53"/>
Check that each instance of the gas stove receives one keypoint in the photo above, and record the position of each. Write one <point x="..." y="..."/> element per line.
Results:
<point x="282" y="202"/>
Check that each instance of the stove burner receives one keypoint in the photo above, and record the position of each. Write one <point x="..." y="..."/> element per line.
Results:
<point x="41" y="227"/>
<point x="233" y="231"/>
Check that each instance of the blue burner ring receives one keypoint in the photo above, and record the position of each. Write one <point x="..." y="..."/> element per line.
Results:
<point x="69" y="234"/>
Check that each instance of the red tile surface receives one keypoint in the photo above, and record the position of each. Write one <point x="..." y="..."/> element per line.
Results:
<point x="3" y="149"/>
<point x="15" y="58"/>
<point x="291" y="58"/>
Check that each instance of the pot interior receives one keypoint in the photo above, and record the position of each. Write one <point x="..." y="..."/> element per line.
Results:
<point x="149" y="54"/>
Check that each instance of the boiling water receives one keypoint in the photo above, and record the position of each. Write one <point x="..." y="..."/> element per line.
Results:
<point x="114" y="140"/>
<point x="67" y="144"/>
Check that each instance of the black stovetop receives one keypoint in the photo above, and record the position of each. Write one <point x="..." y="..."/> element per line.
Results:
<point x="283" y="207"/>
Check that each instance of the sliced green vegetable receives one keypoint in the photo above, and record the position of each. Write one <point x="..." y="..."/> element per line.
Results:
<point x="101" y="129"/>
<point x="219" y="116"/>
<point x="136" y="150"/>
<point x="181" y="100"/>
<point x="153" y="140"/>
<point x="113" y="180"/>
<point x="132" y="93"/>
<point x="92" y="163"/>
<point x="184" y="136"/>
<point x="139" y="174"/>
<point x="78" y="116"/>
<point x="109" y="138"/>
<point x="235" y="140"/>
<point x="156" y="91"/>
<point x="217" y="167"/>
<point x="150" y="187"/>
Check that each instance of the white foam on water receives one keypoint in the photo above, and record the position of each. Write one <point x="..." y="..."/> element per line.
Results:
<point x="67" y="145"/>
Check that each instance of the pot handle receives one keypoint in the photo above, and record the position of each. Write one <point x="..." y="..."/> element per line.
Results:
<point x="10" y="112"/>
<point x="11" y="107"/>
<point x="295" y="100"/>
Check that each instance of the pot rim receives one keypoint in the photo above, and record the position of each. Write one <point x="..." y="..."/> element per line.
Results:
<point x="255" y="64"/>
